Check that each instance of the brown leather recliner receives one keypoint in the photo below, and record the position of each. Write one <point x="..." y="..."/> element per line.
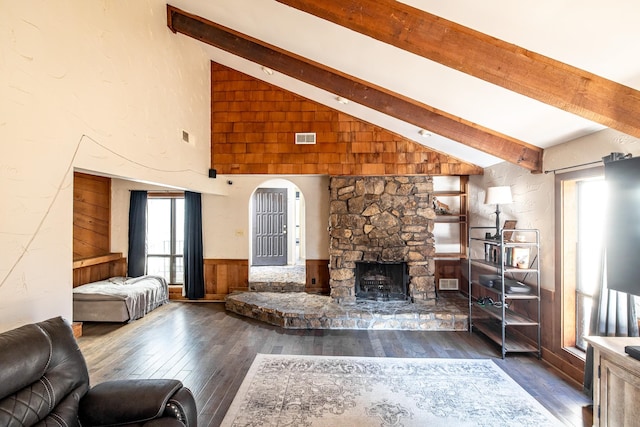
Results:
<point x="44" y="382"/>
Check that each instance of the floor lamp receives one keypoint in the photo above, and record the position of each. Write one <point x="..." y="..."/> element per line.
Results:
<point x="498" y="196"/>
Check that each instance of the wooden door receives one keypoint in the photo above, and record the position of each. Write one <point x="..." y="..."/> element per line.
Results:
<point x="270" y="226"/>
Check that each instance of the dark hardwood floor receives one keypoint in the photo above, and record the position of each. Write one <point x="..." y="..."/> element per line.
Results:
<point x="210" y="351"/>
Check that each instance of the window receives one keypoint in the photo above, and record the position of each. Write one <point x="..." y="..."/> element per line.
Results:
<point x="591" y="201"/>
<point x="165" y="238"/>
<point x="583" y="198"/>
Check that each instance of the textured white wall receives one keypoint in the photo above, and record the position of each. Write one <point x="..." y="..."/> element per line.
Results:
<point x="96" y="85"/>
<point x="532" y="207"/>
<point x="590" y="148"/>
<point x="226" y="219"/>
<point x="533" y="194"/>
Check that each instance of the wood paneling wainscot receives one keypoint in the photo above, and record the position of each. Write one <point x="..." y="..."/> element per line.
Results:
<point x="223" y="276"/>
<point x="91" y="215"/>
<point x="96" y="268"/>
<point x="317" y="271"/>
<point x="447" y="269"/>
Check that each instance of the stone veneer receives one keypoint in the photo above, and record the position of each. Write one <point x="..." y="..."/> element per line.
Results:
<point x="299" y="310"/>
<point x="387" y="218"/>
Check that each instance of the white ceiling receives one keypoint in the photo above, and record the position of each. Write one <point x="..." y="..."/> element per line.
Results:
<point x="599" y="37"/>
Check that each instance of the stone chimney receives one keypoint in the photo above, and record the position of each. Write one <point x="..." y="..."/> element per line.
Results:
<point x="383" y="219"/>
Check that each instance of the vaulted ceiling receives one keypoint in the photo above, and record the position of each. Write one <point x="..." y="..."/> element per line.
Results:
<point x="489" y="81"/>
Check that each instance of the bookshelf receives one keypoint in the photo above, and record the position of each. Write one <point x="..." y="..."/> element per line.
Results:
<point x="505" y="305"/>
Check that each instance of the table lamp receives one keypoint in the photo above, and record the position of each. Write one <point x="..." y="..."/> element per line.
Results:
<point x="498" y="196"/>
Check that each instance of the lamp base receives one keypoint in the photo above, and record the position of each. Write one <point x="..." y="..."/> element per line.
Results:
<point x="497" y="235"/>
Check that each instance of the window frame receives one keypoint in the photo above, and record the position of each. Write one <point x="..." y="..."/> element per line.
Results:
<point x="172" y="256"/>
<point x="566" y="186"/>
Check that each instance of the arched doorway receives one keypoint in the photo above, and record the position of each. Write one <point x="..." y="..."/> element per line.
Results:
<point x="277" y="237"/>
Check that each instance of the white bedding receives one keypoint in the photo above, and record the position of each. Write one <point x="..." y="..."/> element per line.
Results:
<point x="140" y="294"/>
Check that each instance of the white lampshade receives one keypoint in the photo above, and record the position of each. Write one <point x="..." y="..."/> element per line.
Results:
<point x="498" y="195"/>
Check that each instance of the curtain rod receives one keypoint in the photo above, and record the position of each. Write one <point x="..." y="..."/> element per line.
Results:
<point x="574" y="166"/>
<point x="606" y="159"/>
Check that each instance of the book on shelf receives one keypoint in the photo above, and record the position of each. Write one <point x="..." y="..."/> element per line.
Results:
<point x="517" y="256"/>
<point x="514" y="256"/>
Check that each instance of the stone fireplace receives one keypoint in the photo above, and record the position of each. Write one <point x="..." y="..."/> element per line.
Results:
<point x="386" y="219"/>
<point x="380" y="260"/>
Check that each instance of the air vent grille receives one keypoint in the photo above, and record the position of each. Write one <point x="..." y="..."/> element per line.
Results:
<point x="306" y="138"/>
<point x="448" y="284"/>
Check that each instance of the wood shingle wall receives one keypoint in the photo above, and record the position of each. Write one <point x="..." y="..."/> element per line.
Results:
<point x="253" y="128"/>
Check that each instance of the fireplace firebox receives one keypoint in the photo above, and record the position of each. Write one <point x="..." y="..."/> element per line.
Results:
<point x="382" y="281"/>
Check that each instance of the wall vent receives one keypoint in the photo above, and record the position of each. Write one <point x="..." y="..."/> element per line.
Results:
<point x="448" y="284"/>
<point x="306" y="138"/>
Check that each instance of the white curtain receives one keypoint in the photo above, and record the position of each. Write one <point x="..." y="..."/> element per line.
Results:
<point x="613" y="315"/>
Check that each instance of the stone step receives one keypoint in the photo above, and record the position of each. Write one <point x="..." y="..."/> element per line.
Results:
<point x="299" y="310"/>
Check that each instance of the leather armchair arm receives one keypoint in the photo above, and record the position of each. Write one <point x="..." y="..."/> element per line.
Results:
<point x="135" y="401"/>
<point x="182" y="406"/>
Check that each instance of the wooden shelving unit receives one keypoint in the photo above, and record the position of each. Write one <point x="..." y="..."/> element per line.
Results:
<point x="458" y="219"/>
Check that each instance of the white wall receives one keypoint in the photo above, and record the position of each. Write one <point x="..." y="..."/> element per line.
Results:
<point x="96" y="85"/>
<point x="533" y="194"/>
<point x="226" y="219"/>
<point x="290" y="227"/>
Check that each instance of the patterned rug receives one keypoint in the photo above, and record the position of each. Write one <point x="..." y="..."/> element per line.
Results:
<point x="284" y="390"/>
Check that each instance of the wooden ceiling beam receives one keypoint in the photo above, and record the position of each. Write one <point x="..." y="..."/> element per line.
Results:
<point x="504" y="64"/>
<point x="423" y="116"/>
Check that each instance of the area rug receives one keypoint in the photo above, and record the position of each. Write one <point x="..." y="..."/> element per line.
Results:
<point x="305" y="391"/>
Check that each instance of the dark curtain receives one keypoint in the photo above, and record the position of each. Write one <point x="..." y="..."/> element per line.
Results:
<point x="193" y="258"/>
<point x="613" y="315"/>
<point x="137" y="234"/>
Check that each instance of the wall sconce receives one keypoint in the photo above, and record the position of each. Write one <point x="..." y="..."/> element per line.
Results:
<point x="498" y="196"/>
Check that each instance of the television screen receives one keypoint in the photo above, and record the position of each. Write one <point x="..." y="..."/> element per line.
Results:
<point x="622" y="236"/>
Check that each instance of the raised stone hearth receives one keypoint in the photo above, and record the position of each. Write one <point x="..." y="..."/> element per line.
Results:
<point x="375" y="222"/>
<point x="296" y="310"/>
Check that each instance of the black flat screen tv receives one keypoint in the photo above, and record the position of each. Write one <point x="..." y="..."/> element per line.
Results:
<point x="622" y="225"/>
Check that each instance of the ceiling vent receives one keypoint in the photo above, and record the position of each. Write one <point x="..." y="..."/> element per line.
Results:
<point x="306" y="138"/>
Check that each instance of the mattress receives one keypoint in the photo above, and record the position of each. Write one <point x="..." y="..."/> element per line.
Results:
<point x="119" y="299"/>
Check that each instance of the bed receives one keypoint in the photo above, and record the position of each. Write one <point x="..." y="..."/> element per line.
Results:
<point x="119" y="299"/>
